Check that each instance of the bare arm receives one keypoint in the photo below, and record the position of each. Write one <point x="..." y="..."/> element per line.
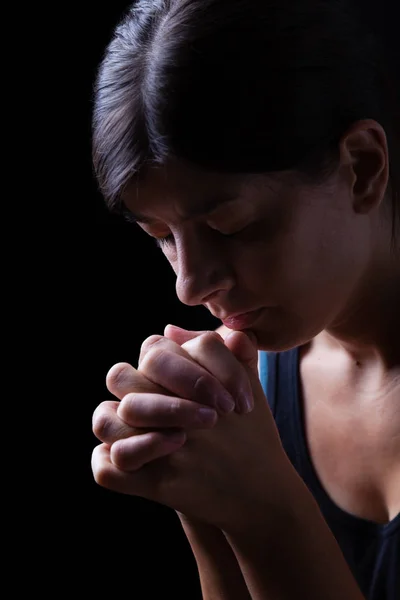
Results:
<point x="302" y="560"/>
<point x="219" y="571"/>
<point x="299" y="559"/>
<point x="273" y="534"/>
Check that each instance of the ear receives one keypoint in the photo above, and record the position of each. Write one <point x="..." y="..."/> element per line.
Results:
<point x="365" y="156"/>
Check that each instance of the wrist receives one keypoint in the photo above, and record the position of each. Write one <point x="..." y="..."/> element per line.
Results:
<point x="266" y="511"/>
<point x="291" y="512"/>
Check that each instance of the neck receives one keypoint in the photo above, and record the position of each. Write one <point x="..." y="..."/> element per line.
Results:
<point x="368" y="330"/>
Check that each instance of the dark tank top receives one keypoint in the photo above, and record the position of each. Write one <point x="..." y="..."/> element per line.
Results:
<point x="372" y="550"/>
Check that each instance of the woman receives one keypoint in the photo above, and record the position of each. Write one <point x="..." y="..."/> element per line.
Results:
<point x="257" y="142"/>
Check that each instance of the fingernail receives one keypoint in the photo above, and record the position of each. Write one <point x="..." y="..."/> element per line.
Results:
<point x="225" y="402"/>
<point x="245" y="401"/>
<point x="174" y="327"/>
<point x="207" y="416"/>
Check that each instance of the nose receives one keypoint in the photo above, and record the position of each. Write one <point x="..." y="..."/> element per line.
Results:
<point x="203" y="268"/>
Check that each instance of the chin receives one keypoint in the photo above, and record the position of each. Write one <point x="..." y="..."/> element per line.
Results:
<point x="282" y="339"/>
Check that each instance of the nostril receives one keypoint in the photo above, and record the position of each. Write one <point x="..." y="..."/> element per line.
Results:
<point x="210" y="297"/>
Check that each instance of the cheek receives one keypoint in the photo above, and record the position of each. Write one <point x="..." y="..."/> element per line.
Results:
<point x="302" y="267"/>
<point x="320" y="267"/>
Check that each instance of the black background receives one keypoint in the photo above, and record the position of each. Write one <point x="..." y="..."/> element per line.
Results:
<point x="107" y="288"/>
<point x="140" y="548"/>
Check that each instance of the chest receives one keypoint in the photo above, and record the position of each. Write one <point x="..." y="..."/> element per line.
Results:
<point x="354" y="444"/>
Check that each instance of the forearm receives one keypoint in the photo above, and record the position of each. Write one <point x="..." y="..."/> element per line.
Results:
<point x="219" y="571"/>
<point x="298" y="559"/>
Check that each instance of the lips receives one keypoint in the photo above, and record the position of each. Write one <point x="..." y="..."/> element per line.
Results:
<point x="242" y="320"/>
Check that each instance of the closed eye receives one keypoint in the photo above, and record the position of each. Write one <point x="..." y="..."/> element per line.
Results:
<point x="232" y="233"/>
<point x="162" y="242"/>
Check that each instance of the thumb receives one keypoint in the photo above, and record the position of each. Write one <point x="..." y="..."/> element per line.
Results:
<point x="243" y="344"/>
<point x="181" y="336"/>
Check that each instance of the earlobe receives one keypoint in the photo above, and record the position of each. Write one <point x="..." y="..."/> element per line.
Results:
<point x="364" y="149"/>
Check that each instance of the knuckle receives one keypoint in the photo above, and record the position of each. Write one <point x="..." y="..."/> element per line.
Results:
<point x="208" y="340"/>
<point x="151" y="352"/>
<point x="128" y="407"/>
<point x="118" y="375"/>
<point x="101" y="424"/>
<point x="122" y="457"/>
<point x="100" y="468"/>
<point x="118" y="454"/>
<point x="155" y="358"/>
<point x="150" y="342"/>
<point x="102" y="475"/>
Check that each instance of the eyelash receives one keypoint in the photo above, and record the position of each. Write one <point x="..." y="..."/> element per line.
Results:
<point x="160" y="242"/>
<point x="163" y="241"/>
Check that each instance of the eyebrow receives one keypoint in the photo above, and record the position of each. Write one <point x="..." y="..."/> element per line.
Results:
<point x="206" y="207"/>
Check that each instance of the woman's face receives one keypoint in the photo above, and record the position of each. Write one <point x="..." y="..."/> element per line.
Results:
<point x="237" y="243"/>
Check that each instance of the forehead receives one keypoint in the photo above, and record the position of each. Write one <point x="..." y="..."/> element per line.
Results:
<point x="183" y="188"/>
<point x="186" y="190"/>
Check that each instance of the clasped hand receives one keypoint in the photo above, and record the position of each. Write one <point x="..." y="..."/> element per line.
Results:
<point x="171" y="436"/>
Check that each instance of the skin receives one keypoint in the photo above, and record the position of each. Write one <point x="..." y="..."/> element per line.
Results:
<point x="210" y="477"/>
<point x="310" y="254"/>
<point x="313" y="256"/>
<point x="191" y="483"/>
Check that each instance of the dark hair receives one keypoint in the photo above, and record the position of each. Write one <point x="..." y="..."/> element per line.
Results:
<point x="239" y="86"/>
